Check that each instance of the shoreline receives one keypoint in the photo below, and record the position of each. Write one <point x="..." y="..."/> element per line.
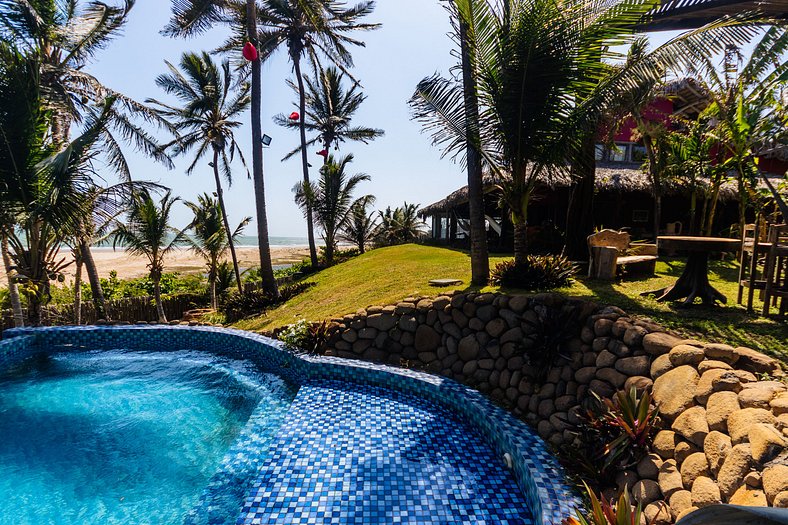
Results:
<point x="182" y="260"/>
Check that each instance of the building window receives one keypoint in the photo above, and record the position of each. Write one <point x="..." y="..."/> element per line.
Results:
<point x="640" y="216"/>
<point x="638" y="153"/>
<point x="619" y="152"/>
<point x="599" y="152"/>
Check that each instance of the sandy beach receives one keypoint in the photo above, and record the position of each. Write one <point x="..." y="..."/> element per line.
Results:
<point x="183" y="261"/>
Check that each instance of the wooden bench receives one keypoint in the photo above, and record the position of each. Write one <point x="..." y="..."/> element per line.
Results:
<point x="610" y="251"/>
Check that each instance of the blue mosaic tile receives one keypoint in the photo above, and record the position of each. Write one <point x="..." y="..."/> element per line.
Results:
<point x="351" y="453"/>
<point x="537" y="473"/>
<point x="16" y="350"/>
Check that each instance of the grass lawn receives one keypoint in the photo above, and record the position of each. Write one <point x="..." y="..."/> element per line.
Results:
<point x="388" y="275"/>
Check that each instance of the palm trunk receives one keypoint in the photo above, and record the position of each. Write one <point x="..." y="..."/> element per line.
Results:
<point x="330" y="249"/>
<point x="214" y="298"/>
<point x="95" y="283"/>
<point x="13" y="287"/>
<point x="230" y="242"/>
<point x="304" y="158"/>
<point x="715" y="197"/>
<point x="157" y="298"/>
<point x="77" y="287"/>
<point x="580" y="213"/>
<point x="657" y="211"/>
<point x="743" y="200"/>
<point x="520" y="241"/>
<point x="480" y="259"/>
<point x="693" y="210"/>
<point x="266" y="268"/>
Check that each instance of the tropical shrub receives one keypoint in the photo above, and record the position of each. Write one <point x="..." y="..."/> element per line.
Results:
<point x="305" y="336"/>
<point x="613" y="435"/>
<point x="605" y="512"/>
<point x="537" y="272"/>
<point x="254" y="302"/>
<point x="551" y="331"/>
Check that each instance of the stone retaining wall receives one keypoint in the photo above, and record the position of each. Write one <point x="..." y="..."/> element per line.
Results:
<point x="724" y="410"/>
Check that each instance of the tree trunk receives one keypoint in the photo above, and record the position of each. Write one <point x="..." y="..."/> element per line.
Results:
<point x="520" y="241"/>
<point x="580" y="213"/>
<point x="214" y="299"/>
<point x="743" y="200"/>
<point x="266" y="268"/>
<point x="77" y="287"/>
<point x="157" y="299"/>
<point x="310" y="227"/>
<point x="95" y="283"/>
<point x="693" y="211"/>
<point x="13" y="287"/>
<point x="657" y="212"/>
<point x="480" y="259"/>
<point x="715" y="197"/>
<point x="230" y="242"/>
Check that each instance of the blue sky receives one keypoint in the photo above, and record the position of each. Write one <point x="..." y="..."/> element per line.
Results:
<point x="412" y="44"/>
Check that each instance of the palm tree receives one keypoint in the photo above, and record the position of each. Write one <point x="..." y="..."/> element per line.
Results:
<point x="360" y="226"/>
<point x="329" y="111"/>
<point x="309" y="28"/>
<point x="399" y="226"/>
<point x="537" y="88"/>
<point x="205" y="121"/>
<point x="331" y="199"/>
<point x="147" y="232"/>
<point x="192" y="17"/>
<point x="210" y="239"/>
<point x="13" y="287"/>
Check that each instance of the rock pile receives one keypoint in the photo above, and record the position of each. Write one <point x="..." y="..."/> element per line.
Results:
<point x="724" y="409"/>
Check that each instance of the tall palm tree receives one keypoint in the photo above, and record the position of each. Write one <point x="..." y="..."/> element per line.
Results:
<point x="204" y="121"/>
<point x="400" y="225"/>
<point x="210" y="239"/>
<point x="330" y="200"/>
<point x="538" y="87"/>
<point x="13" y="286"/>
<point x="329" y="111"/>
<point x="361" y="224"/>
<point x="310" y="28"/>
<point x="64" y="37"/>
<point x="191" y="17"/>
<point x="148" y="233"/>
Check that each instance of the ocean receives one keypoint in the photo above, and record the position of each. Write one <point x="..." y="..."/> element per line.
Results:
<point x="249" y="241"/>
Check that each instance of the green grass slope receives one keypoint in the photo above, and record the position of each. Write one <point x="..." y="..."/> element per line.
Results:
<point x="388" y="275"/>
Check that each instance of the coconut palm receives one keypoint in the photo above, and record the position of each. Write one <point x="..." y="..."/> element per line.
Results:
<point x="147" y="232"/>
<point x="538" y="87"/>
<point x="329" y="111"/>
<point x="400" y="225"/>
<point x="192" y="17"/>
<point x="210" y="239"/>
<point x="360" y="226"/>
<point x="11" y="277"/>
<point x="310" y="28"/>
<point x="330" y="200"/>
<point x="205" y="121"/>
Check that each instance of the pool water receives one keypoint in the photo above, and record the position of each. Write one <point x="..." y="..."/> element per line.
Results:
<point x="122" y="437"/>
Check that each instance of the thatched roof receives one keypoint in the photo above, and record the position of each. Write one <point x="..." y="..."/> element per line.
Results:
<point x="628" y="178"/>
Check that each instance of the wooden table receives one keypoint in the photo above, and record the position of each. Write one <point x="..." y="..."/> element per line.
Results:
<point x="694" y="282"/>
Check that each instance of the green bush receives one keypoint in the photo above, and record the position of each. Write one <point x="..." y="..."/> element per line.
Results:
<point x="255" y="302"/>
<point x="606" y="512"/>
<point x="304" y="336"/>
<point x="538" y="272"/>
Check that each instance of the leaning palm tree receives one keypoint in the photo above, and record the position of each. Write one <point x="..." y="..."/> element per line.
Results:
<point x="329" y="111"/>
<point x="330" y="200"/>
<point x="210" y="239"/>
<point x="400" y="225"/>
<point x="310" y="28"/>
<point x="148" y="233"/>
<point x="360" y="226"/>
<point x="192" y="17"/>
<point x="537" y="88"/>
<point x="204" y="121"/>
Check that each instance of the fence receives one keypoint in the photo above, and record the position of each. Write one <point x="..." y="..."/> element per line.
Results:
<point x="130" y="310"/>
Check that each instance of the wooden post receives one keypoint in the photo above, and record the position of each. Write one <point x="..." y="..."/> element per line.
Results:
<point x="604" y="263"/>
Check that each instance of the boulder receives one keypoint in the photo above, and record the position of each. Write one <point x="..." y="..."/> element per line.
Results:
<point x="686" y="512"/>
<point x="741" y="421"/>
<point x="634" y="336"/>
<point x="779" y="404"/>
<point x="585" y="375"/>
<point x="626" y="479"/>
<point x="766" y="442"/>
<point x="610" y="375"/>
<point x="684" y="449"/>
<point x="680" y="501"/>
<point x="639" y="383"/>
<point x="669" y="479"/>
<point x="606" y="359"/>
<point x="659" y="343"/>
<point x="686" y="355"/>
<point x="674" y="391"/>
<point x="759" y="394"/>
<point x="707" y="365"/>
<point x="634" y="366"/>
<point x="692" y="425"/>
<point x="748" y="497"/>
<point x="756" y="362"/>
<point x="658" y="513"/>
<point x="518" y="303"/>
<point x="427" y="339"/>
<point x="468" y="349"/>
<point x="705" y="492"/>
<point x="646" y="491"/>
<point x="694" y="467"/>
<point x="721" y="352"/>
<point x="781" y="500"/>
<point x="734" y="469"/>
<point x="648" y="467"/>
<point x="716" y="446"/>
<point x="602" y="327"/>
<point x="719" y="407"/>
<point x="753" y="479"/>
<point x="659" y="366"/>
<point x="665" y="443"/>
<point x="382" y="322"/>
<point x="496" y="327"/>
<point x="716" y="380"/>
<point x="775" y="480"/>
<point x="601" y="388"/>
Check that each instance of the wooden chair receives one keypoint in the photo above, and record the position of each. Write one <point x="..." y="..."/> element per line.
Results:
<point x="611" y="250"/>
<point x="776" y="273"/>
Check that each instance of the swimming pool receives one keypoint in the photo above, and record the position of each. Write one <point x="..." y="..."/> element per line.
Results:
<point x="210" y="426"/>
